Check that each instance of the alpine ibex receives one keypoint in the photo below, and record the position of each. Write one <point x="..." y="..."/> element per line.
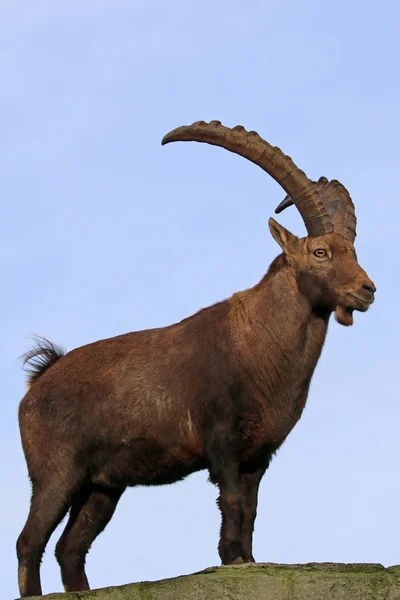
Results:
<point x="220" y="390"/>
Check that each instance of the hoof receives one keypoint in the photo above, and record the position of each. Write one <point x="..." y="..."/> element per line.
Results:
<point x="236" y="561"/>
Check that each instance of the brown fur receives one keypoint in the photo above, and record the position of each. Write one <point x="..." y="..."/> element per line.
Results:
<point x="220" y="390"/>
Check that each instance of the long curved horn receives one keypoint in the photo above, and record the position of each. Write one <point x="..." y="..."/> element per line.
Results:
<point x="270" y="158"/>
<point x="338" y="204"/>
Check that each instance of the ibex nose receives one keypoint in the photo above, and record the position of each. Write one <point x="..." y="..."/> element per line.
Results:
<point x="370" y="287"/>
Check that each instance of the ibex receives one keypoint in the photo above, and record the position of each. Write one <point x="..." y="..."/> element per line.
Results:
<point x="220" y="390"/>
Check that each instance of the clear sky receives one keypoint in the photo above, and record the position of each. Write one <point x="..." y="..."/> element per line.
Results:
<point x="103" y="231"/>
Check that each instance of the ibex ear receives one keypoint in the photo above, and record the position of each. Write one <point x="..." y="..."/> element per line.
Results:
<point x="286" y="240"/>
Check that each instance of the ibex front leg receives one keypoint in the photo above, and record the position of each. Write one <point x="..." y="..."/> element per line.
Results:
<point x="224" y="471"/>
<point x="250" y="483"/>
<point x="230" y="504"/>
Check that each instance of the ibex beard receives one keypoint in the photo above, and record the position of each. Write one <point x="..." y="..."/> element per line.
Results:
<point x="220" y="390"/>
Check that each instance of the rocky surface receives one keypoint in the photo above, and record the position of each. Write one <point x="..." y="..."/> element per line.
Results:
<point x="315" y="581"/>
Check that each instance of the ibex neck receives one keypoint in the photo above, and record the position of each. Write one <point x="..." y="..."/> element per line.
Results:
<point x="278" y="340"/>
<point x="276" y="311"/>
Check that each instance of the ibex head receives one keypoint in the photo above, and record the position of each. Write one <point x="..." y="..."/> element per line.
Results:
<point x="327" y="272"/>
<point x="325" y="261"/>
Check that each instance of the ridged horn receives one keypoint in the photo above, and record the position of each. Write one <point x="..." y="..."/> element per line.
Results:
<point x="270" y="158"/>
<point x="338" y="204"/>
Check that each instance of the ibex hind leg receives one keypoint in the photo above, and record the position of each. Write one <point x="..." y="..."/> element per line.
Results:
<point x="50" y="502"/>
<point x="91" y="511"/>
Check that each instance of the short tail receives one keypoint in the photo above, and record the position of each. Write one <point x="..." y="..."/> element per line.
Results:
<point x="41" y="357"/>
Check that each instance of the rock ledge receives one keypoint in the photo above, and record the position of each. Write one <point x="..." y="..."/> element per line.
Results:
<point x="261" y="581"/>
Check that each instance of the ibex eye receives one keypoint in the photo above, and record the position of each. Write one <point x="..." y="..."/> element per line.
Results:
<point x="320" y="253"/>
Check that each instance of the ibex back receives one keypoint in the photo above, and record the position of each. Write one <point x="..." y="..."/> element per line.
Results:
<point x="220" y="390"/>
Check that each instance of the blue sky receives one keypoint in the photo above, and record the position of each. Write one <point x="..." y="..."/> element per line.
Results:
<point x="103" y="231"/>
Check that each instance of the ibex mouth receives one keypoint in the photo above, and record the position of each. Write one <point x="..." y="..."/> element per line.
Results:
<point x="360" y="302"/>
<point x="365" y="300"/>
